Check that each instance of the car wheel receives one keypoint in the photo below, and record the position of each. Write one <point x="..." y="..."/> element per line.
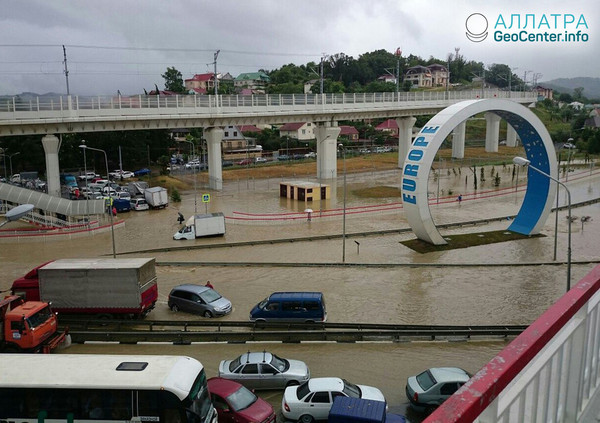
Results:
<point x="208" y="314"/>
<point x="306" y="418"/>
<point x="430" y="409"/>
<point x="174" y="307"/>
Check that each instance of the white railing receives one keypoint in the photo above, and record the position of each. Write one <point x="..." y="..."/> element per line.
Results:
<point x="75" y="103"/>
<point x="550" y="373"/>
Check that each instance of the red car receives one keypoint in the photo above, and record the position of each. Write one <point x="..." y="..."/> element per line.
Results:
<point x="236" y="403"/>
<point x="244" y="162"/>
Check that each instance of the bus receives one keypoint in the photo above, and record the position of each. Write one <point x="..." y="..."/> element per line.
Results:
<point x="108" y="388"/>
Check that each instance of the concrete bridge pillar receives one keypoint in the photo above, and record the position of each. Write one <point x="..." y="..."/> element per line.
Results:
<point x="405" y="127"/>
<point x="458" y="141"/>
<point x="51" y="145"/>
<point x="214" y="137"/>
<point x="511" y="136"/>
<point x="492" y="132"/>
<point x="326" y="135"/>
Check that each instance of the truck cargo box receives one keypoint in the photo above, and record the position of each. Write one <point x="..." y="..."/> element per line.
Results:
<point x="110" y="286"/>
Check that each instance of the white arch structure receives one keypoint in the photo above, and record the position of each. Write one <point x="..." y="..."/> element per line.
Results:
<point x="539" y="149"/>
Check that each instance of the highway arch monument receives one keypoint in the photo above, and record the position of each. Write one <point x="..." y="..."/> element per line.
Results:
<point x="538" y="147"/>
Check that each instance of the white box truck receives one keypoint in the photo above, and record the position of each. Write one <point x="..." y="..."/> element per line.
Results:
<point x="98" y="286"/>
<point x="156" y="197"/>
<point x="211" y="224"/>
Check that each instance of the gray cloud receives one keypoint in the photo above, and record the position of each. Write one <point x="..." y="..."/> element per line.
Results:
<point x="256" y="34"/>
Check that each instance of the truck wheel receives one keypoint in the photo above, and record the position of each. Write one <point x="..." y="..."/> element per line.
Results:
<point x="208" y="314"/>
<point x="11" y="349"/>
<point x="174" y="308"/>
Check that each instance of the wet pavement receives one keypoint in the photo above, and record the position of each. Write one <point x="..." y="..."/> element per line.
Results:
<point x="382" y="281"/>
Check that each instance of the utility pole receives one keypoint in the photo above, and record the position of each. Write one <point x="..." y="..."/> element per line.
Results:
<point x="66" y="68"/>
<point x="215" y="63"/>
<point x="322" y="60"/>
<point x="398" y="55"/>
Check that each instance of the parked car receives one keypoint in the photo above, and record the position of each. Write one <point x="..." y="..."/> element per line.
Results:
<point x="427" y="390"/>
<point x="142" y="172"/>
<point x="198" y="299"/>
<point x="283" y="157"/>
<point x="313" y="399"/>
<point x="139" y="204"/>
<point x="260" y="160"/>
<point x="235" y="403"/>
<point x="264" y="370"/>
<point x="244" y="162"/>
<point x="227" y="163"/>
<point x="569" y="145"/>
<point x="88" y="176"/>
<point x="291" y="307"/>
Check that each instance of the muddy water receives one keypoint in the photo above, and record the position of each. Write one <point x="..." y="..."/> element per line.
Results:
<point x="397" y="289"/>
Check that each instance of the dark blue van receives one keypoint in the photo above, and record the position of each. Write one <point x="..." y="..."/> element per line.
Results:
<point x="290" y="307"/>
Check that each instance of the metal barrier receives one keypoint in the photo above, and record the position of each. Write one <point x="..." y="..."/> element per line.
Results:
<point x="549" y="373"/>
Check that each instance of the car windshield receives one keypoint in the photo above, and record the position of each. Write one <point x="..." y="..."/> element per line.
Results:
<point x="351" y="389"/>
<point x="40" y="317"/>
<point x="425" y="380"/>
<point x="241" y="399"/>
<point x="263" y="303"/>
<point x="279" y="363"/>
<point x="235" y="364"/>
<point x="302" y="390"/>
<point x="209" y="296"/>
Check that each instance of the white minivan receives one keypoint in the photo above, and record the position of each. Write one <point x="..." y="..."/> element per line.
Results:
<point x="139" y="204"/>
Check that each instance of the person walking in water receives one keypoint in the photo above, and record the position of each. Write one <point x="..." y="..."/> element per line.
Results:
<point x="459" y="199"/>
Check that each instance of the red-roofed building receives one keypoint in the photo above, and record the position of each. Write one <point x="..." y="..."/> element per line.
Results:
<point x="201" y="83"/>
<point x="298" y="130"/>
<point x="349" y="132"/>
<point x="249" y="128"/>
<point x="389" y="126"/>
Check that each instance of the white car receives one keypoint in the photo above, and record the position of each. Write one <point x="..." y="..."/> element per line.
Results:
<point x="139" y="204"/>
<point x="88" y="176"/>
<point x="312" y="400"/>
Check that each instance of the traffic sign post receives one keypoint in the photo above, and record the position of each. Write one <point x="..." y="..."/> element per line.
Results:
<point x="206" y="200"/>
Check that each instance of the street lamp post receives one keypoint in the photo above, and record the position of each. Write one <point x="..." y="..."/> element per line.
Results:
<point x="524" y="162"/>
<point x="195" y="190"/>
<point x="87" y="189"/>
<point x="341" y="146"/>
<point x="112" y="229"/>
<point x="10" y="156"/>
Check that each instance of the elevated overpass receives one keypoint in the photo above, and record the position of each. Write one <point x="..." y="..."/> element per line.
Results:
<point x="49" y="117"/>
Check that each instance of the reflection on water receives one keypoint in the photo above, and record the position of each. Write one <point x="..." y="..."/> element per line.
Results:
<point x="400" y="285"/>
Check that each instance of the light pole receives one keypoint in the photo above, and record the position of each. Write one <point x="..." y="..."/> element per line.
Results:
<point x="341" y="146"/>
<point x="87" y="189"/>
<point x="524" y="162"/>
<point x="195" y="190"/>
<point x="10" y="156"/>
<point x="112" y="229"/>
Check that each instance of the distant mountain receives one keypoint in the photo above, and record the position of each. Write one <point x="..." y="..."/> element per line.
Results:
<point x="591" y="86"/>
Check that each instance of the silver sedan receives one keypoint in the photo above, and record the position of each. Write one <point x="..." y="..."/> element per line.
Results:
<point x="263" y="370"/>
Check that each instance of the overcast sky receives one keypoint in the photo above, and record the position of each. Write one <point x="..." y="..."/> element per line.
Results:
<point x="126" y="45"/>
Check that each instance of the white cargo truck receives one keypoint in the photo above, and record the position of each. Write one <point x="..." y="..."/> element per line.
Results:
<point x="156" y="197"/>
<point x="211" y="224"/>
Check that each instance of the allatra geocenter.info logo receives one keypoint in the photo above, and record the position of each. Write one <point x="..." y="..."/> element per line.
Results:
<point x="529" y="28"/>
<point x="477" y="26"/>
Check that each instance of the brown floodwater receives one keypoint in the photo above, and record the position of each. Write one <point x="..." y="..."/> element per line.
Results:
<point x="398" y="285"/>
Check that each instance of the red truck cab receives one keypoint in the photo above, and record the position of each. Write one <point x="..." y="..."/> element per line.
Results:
<point x="28" y="326"/>
<point x="28" y="286"/>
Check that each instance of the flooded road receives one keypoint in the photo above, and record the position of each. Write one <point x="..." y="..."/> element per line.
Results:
<point x="382" y="281"/>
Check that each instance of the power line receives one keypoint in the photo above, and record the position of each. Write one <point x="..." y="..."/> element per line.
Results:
<point x="195" y="50"/>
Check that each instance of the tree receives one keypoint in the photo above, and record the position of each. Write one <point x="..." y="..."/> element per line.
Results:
<point x="174" y="81"/>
